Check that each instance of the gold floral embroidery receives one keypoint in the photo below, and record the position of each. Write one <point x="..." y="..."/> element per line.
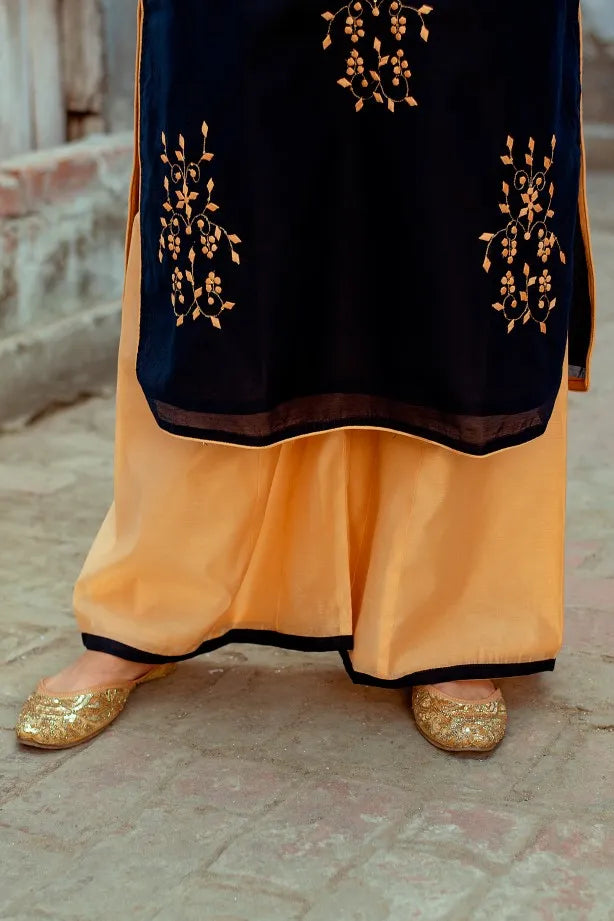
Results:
<point x="190" y="234"/>
<point x="525" y="240"/>
<point x="371" y="73"/>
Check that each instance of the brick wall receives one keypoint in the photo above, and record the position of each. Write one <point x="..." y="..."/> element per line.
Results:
<point x="62" y="225"/>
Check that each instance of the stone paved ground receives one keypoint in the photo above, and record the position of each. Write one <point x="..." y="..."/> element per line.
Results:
<point x="260" y="784"/>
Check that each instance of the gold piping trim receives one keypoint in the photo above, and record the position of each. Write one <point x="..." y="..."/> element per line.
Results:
<point x="135" y="182"/>
<point x="579" y="384"/>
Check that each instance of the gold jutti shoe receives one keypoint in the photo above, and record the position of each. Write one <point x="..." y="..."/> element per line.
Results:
<point x="56" y="720"/>
<point x="458" y="725"/>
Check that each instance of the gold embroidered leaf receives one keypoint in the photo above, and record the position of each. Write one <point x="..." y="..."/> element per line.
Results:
<point x="391" y="105"/>
<point x="360" y="104"/>
<point x="506" y="189"/>
<point x="166" y="183"/>
<point x="234" y="238"/>
<point x="510" y="143"/>
<point x="180" y="320"/>
<point x="192" y="255"/>
<point x="553" y="142"/>
<point x="563" y="257"/>
<point x="487" y="264"/>
<point x="161" y="256"/>
<point x="212" y="207"/>
<point x="344" y="83"/>
<point x="164" y="222"/>
<point x="188" y="229"/>
<point x="550" y="213"/>
<point x="167" y="206"/>
<point x="547" y="162"/>
<point x="205" y="129"/>
<point x="227" y="305"/>
<point x="526" y="270"/>
<point x="498" y="306"/>
<point x="374" y="75"/>
<point x="327" y="42"/>
<point x="507" y="160"/>
<point x="235" y="257"/>
<point x="218" y="232"/>
<point x="424" y="34"/>
<point x="411" y="101"/>
<point x="198" y="293"/>
<point x="425" y="10"/>
<point x="504" y="208"/>
<point x="532" y="281"/>
<point x="526" y="317"/>
<point x="196" y="313"/>
<point x="328" y="16"/>
<point x="189" y="277"/>
<point x="551" y="190"/>
<point x="553" y="303"/>
<point x="208" y="156"/>
<point x="524" y="297"/>
<point x="210" y="185"/>
<point x="487" y="237"/>
<point x="383" y="61"/>
<point x="215" y="322"/>
<point x="181" y="142"/>
<point x="377" y="45"/>
<point x="510" y="325"/>
<point x="164" y="158"/>
<point x="378" y="97"/>
<point x="529" y="159"/>
<point x="542" y="327"/>
<point x="531" y="145"/>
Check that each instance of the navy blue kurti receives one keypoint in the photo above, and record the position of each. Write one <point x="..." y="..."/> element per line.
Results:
<point x="365" y="214"/>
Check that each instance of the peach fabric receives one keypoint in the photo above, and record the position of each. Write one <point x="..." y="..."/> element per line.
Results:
<point x="428" y="557"/>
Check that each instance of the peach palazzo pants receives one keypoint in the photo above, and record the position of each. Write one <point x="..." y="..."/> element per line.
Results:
<point x="417" y="563"/>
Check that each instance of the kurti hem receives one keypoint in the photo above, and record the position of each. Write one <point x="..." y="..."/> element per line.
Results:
<point x="164" y="417"/>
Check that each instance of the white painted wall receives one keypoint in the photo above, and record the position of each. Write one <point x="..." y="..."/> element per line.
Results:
<point x="599" y="18"/>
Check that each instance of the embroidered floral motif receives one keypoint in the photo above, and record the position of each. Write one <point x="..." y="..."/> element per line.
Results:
<point x="371" y="72"/>
<point x="526" y="240"/>
<point x="190" y="234"/>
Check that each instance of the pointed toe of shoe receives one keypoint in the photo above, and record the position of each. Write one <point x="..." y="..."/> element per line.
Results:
<point x="48" y="721"/>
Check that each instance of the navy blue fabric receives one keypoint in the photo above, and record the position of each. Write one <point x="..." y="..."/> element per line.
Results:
<point x="361" y="267"/>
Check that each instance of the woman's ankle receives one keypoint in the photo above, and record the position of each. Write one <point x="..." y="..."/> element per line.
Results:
<point x="471" y="689"/>
<point x="95" y="668"/>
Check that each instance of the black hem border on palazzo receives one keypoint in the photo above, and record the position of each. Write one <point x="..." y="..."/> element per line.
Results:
<point x="341" y="644"/>
<point x="256" y="637"/>
<point x="449" y="673"/>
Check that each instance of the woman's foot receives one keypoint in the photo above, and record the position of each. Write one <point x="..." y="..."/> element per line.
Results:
<point x="460" y="716"/>
<point x="82" y="700"/>
<point x="476" y="689"/>
<point x="92" y="669"/>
